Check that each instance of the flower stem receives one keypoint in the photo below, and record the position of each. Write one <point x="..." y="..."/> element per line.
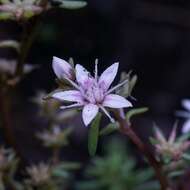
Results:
<point x="127" y="130"/>
<point x="28" y="36"/>
<point x="55" y="156"/>
<point x="6" y="119"/>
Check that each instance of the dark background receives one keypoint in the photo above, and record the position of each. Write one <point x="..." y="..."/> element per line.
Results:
<point x="152" y="38"/>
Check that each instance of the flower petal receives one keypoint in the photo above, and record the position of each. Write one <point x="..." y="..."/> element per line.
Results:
<point x="83" y="76"/>
<point x="69" y="95"/>
<point x="186" y="127"/>
<point x="89" y="112"/>
<point x="116" y="101"/>
<point x="62" y="69"/>
<point x="108" y="76"/>
<point x="186" y="104"/>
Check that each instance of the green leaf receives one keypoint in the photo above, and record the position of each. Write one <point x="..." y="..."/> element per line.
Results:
<point x="134" y="112"/>
<point x="4" y="1"/>
<point x="153" y="141"/>
<point x="186" y="156"/>
<point x="73" y="4"/>
<point x="5" y="16"/>
<point x="49" y="96"/>
<point x="184" y="137"/>
<point x="57" y="172"/>
<point x="68" y="165"/>
<point x="93" y="135"/>
<point x="133" y="82"/>
<point x="176" y="173"/>
<point x="109" y="129"/>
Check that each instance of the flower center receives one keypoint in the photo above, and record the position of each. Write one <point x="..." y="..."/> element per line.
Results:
<point x="94" y="94"/>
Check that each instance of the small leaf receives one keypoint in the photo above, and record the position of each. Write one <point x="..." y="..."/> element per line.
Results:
<point x="69" y="165"/>
<point x="93" y="135"/>
<point x="49" y="96"/>
<point x="133" y="82"/>
<point x="28" y="14"/>
<point x="109" y="129"/>
<point x="73" y="4"/>
<point x="134" y="112"/>
<point x="153" y="141"/>
<point x="176" y="173"/>
<point x="60" y="173"/>
<point x="186" y="156"/>
<point x="4" y="1"/>
<point x="10" y="44"/>
<point x="5" y="16"/>
<point x="71" y="62"/>
<point x="184" y="137"/>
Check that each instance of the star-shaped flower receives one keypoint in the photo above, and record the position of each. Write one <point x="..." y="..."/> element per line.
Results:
<point x="92" y="93"/>
<point x="172" y="147"/>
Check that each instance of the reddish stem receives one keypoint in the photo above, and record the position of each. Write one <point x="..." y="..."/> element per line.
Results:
<point x="6" y="120"/>
<point x="127" y="130"/>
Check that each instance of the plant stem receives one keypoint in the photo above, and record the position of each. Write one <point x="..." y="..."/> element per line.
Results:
<point x="28" y="36"/>
<point x="6" y="119"/>
<point x="127" y="130"/>
<point x="55" y="156"/>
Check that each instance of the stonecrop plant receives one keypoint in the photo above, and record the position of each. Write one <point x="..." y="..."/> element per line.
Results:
<point x="105" y="109"/>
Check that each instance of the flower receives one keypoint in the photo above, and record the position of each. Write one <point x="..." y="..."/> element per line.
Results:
<point x="91" y="93"/>
<point x="55" y="137"/>
<point x="18" y="9"/>
<point x="172" y="147"/>
<point x="185" y="114"/>
<point x="39" y="174"/>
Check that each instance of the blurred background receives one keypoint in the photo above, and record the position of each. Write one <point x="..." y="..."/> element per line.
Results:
<point x="151" y="38"/>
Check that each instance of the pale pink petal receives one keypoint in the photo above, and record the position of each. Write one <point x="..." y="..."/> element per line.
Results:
<point x="89" y="112"/>
<point x="172" y="136"/>
<point x="186" y="127"/>
<point x="83" y="76"/>
<point x="108" y="76"/>
<point x="159" y="135"/>
<point x="186" y="104"/>
<point x="10" y="7"/>
<point x="61" y="68"/>
<point x="116" y="101"/>
<point x="69" y="95"/>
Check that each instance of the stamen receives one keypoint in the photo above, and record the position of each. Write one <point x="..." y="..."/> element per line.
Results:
<point x="117" y="86"/>
<point x="107" y="113"/>
<point x="96" y="70"/>
<point x="71" y="106"/>
<point x="73" y="84"/>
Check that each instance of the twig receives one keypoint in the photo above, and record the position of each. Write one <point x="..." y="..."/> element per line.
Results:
<point x="127" y="130"/>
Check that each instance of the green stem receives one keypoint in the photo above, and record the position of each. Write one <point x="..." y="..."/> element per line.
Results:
<point x="127" y="130"/>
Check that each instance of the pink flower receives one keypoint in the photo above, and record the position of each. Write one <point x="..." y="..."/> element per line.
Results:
<point x="172" y="147"/>
<point x="21" y="8"/>
<point x="91" y="93"/>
